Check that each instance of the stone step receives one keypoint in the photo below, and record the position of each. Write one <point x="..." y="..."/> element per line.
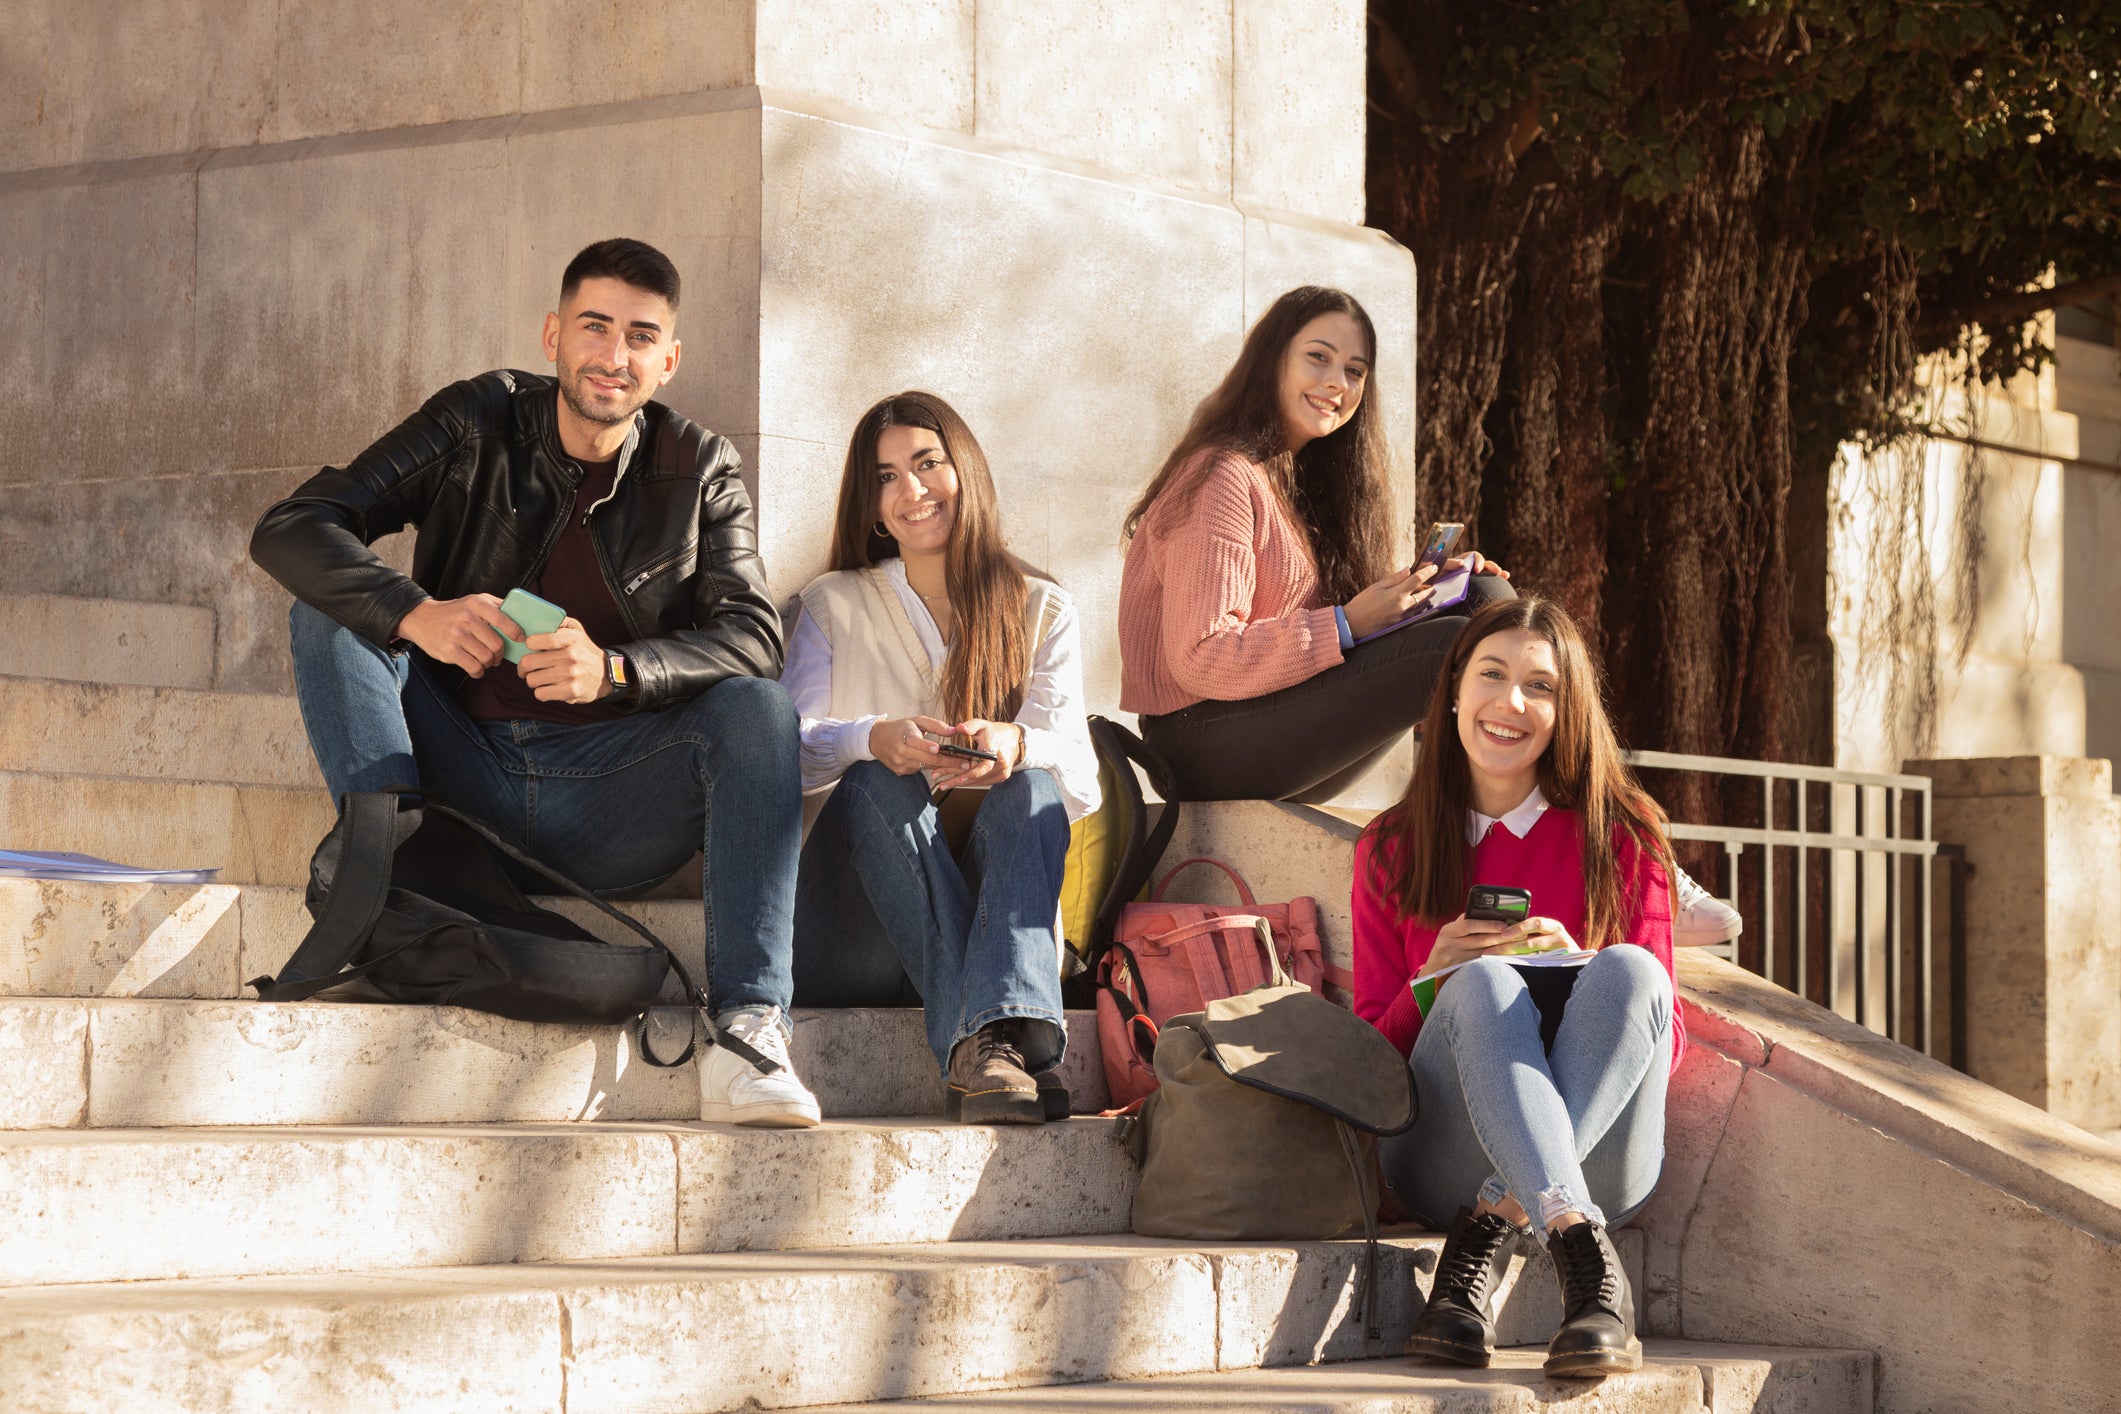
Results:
<point x="106" y="640"/>
<point x="253" y="834"/>
<point x="67" y="939"/>
<point x="721" y="1331"/>
<point x="252" y="1202"/>
<point x="56" y="727"/>
<point x="131" y="1064"/>
<point x="1677" y="1377"/>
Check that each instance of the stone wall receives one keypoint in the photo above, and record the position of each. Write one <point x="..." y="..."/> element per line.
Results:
<point x="1823" y="1185"/>
<point x="243" y="240"/>
<point x="1995" y="637"/>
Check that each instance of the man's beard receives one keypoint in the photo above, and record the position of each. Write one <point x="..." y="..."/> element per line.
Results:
<point x="579" y="399"/>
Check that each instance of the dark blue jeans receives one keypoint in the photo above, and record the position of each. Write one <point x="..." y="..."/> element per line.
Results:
<point x="884" y="915"/>
<point x="616" y="806"/>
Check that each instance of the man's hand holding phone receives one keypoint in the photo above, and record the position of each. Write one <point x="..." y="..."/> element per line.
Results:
<point x="465" y="633"/>
<point x="564" y="666"/>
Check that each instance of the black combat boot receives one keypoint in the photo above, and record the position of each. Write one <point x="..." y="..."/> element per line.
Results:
<point x="1458" y="1324"/>
<point x="1597" y="1335"/>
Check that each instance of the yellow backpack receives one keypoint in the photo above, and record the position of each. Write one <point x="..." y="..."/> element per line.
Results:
<point x="1113" y="850"/>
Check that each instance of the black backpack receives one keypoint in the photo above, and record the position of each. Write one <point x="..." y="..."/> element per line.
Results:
<point x="417" y="900"/>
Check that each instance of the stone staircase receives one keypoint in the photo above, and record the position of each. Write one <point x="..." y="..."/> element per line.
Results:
<point x="217" y="1204"/>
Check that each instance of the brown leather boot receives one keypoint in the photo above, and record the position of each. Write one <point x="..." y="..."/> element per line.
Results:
<point x="988" y="1083"/>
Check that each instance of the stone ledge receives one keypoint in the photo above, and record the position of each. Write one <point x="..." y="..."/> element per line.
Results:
<point x="252" y="834"/>
<point x="57" y="727"/>
<point x="152" y="1064"/>
<point x="1678" y="1377"/>
<point x="106" y="640"/>
<point x="1985" y="776"/>
<point x="748" y="1330"/>
<point x="255" y="1202"/>
<point x="1821" y="1181"/>
<point x="205" y="941"/>
<point x="1976" y="1127"/>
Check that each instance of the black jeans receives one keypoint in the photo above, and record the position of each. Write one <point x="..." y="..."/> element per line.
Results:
<point x="1309" y="742"/>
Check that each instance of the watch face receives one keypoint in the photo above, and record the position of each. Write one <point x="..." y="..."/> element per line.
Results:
<point x="615" y="670"/>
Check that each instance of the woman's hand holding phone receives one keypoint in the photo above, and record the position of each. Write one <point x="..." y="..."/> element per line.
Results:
<point x="1004" y="739"/>
<point x="1388" y="601"/>
<point x="898" y="743"/>
<point x="1463" y="939"/>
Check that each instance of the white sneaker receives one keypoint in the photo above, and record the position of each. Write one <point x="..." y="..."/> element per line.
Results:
<point x="733" y="1092"/>
<point x="1699" y="918"/>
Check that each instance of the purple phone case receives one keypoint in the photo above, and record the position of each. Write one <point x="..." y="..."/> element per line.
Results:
<point x="1451" y="590"/>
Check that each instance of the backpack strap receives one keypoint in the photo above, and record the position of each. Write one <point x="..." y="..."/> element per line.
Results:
<point x="1244" y="890"/>
<point x="1367" y="1196"/>
<point x="368" y="825"/>
<point x="367" y="830"/>
<point x="703" y="1015"/>
<point x="1144" y="848"/>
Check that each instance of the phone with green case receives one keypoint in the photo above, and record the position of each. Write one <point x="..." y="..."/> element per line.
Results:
<point x="532" y="615"/>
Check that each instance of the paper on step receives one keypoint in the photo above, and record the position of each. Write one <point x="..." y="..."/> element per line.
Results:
<point x="87" y="868"/>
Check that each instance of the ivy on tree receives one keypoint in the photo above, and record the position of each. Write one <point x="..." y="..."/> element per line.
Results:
<point x="1671" y="255"/>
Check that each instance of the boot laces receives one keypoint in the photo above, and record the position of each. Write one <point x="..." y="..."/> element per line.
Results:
<point x="996" y="1042"/>
<point x="1465" y="1265"/>
<point x="1586" y="1275"/>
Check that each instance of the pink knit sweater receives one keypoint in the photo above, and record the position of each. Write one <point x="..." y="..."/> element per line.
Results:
<point x="1220" y="597"/>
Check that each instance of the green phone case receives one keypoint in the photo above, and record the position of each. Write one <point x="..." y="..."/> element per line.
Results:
<point x="532" y="615"/>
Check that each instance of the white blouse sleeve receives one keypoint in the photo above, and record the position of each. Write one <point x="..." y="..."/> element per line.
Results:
<point x="1056" y="728"/>
<point x="830" y="744"/>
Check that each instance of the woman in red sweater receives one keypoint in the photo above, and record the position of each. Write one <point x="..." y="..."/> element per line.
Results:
<point x="1260" y="554"/>
<point x="1542" y="1086"/>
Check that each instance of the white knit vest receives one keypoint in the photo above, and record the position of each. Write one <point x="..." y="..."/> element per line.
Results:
<point x="878" y="665"/>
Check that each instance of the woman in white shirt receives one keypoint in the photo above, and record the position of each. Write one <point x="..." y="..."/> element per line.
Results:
<point x="931" y="874"/>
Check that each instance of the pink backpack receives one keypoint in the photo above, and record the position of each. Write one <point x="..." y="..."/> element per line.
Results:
<point x="1168" y="959"/>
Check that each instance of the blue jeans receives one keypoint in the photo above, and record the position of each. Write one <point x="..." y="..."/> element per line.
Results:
<point x="1579" y="1128"/>
<point x="616" y="806"/>
<point x="975" y="943"/>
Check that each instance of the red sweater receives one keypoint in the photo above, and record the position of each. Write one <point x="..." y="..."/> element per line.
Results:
<point x="1390" y="949"/>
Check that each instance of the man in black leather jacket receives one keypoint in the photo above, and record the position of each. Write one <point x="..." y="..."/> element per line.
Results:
<point x="649" y="724"/>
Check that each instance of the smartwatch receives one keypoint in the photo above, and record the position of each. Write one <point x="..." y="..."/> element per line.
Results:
<point x="617" y="673"/>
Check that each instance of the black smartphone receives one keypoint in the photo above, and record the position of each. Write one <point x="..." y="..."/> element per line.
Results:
<point x="970" y="753"/>
<point x="1497" y="903"/>
<point x="1436" y="548"/>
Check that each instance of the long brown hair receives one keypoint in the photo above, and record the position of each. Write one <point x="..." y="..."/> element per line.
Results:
<point x="1419" y="844"/>
<point x="1338" y="487"/>
<point x="990" y="658"/>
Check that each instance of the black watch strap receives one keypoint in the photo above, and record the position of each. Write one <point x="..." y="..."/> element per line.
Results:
<point x="618" y="673"/>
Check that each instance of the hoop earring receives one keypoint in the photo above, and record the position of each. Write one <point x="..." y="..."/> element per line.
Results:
<point x="882" y="534"/>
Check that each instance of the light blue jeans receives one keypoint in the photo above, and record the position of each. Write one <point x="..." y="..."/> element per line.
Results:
<point x="616" y="806"/>
<point x="975" y="942"/>
<point x="1580" y="1128"/>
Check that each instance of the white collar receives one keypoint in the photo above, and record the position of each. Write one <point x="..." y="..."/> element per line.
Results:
<point x="1518" y="821"/>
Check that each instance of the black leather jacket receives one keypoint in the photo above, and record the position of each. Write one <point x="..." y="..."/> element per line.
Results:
<point x="479" y="470"/>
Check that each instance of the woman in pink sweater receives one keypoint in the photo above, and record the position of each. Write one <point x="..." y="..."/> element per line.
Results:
<point x="1260" y="554"/>
<point x="1542" y="1086"/>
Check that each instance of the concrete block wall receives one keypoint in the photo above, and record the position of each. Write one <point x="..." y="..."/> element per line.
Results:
<point x="2043" y="958"/>
<point x="242" y="241"/>
<point x="1991" y="522"/>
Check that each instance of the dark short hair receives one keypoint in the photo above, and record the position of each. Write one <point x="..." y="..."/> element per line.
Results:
<point x="622" y="258"/>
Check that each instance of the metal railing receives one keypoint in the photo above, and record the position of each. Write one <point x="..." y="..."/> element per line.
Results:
<point x="1866" y="819"/>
